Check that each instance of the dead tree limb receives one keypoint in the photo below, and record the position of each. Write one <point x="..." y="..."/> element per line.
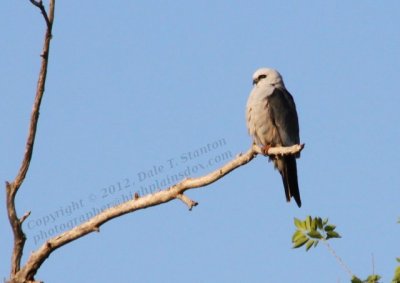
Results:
<point x="176" y="191"/>
<point x="27" y="272"/>
<point x="13" y="187"/>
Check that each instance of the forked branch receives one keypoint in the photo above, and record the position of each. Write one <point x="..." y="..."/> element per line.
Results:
<point x="12" y="187"/>
<point x="137" y="203"/>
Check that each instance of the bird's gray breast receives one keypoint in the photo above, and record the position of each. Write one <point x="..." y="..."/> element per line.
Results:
<point x="259" y="117"/>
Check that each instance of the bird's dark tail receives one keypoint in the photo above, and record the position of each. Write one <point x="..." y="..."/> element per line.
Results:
<point x="289" y="178"/>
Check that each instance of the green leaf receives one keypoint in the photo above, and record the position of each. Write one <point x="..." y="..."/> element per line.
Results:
<point x="299" y="224"/>
<point x="316" y="243"/>
<point x="315" y="234"/>
<point x="309" y="244"/>
<point x="373" y="278"/>
<point x="308" y="223"/>
<point x="325" y="221"/>
<point x="398" y="259"/>
<point x="319" y="222"/>
<point x="332" y="234"/>
<point x="396" y="278"/>
<point x="297" y="235"/>
<point x="329" y="228"/>
<point x="300" y="242"/>
<point x="314" y="224"/>
<point x="355" y="279"/>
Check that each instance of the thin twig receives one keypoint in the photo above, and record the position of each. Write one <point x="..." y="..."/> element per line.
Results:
<point x="24" y="217"/>
<point x="40" y="5"/>
<point x="338" y="258"/>
<point x="190" y="203"/>
<point x="373" y="263"/>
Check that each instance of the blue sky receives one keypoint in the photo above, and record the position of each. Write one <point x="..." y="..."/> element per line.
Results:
<point x="134" y="85"/>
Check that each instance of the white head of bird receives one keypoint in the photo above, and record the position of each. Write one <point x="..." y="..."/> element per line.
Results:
<point x="268" y="76"/>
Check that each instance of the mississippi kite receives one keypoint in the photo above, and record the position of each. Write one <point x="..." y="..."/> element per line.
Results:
<point x="272" y="121"/>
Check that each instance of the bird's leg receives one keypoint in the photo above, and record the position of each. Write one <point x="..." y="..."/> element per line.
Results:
<point x="265" y="149"/>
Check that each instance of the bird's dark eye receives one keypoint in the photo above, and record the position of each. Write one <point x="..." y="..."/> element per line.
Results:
<point x="263" y="76"/>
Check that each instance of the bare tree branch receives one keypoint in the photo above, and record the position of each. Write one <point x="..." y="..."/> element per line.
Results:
<point x="40" y="5"/>
<point x="24" y="217"/>
<point x="137" y="203"/>
<point x="190" y="203"/>
<point x="12" y="188"/>
<point x="36" y="259"/>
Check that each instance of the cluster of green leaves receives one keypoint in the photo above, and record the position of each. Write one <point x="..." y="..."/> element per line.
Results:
<point x="371" y="279"/>
<point x="375" y="278"/>
<point x="312" y="230"/>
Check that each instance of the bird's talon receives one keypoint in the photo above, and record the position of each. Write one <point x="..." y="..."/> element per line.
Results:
<point x="265" y="149"/>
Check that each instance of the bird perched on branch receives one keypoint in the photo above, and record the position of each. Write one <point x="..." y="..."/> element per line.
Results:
<point x="271" y="118"/>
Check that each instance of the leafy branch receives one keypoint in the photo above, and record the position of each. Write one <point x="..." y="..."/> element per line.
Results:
<point x="312" y="230"/>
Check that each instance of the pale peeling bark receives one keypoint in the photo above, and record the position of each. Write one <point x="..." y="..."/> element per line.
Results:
<point x="137" y="203"/>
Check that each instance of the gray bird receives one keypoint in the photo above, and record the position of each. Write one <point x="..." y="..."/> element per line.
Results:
<point x="271" y="118"/>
